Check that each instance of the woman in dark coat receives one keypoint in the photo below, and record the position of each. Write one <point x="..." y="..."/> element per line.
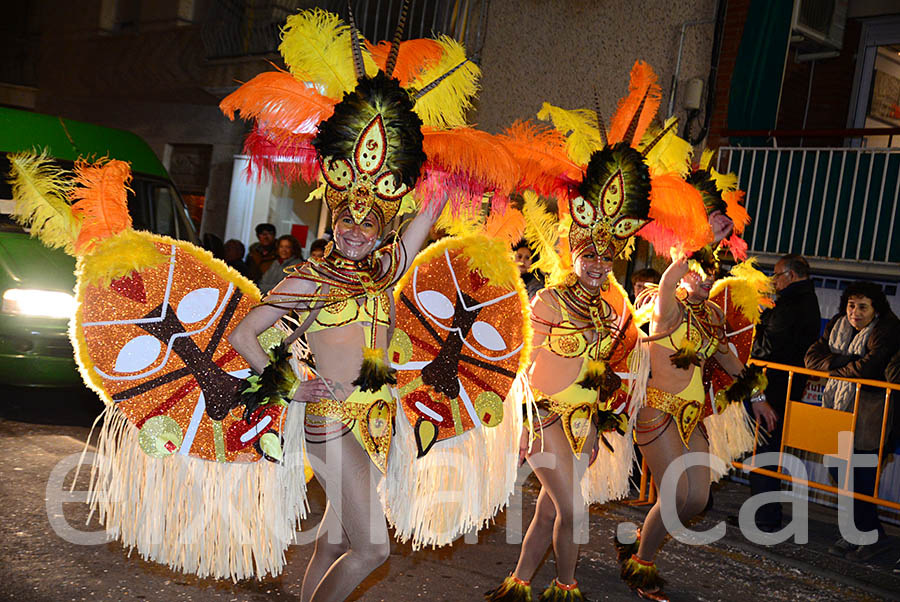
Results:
<point x="859" y="341"/>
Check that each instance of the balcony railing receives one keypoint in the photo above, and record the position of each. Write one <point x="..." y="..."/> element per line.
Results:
<point x="238" y="28"/>
<point x="829" y="203"/>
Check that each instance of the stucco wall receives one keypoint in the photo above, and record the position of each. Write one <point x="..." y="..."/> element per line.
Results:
<point x="561" y="51"/>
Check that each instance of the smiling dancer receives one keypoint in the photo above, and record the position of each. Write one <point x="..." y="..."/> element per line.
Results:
<point x="584" y="365"/>
<point x="401" y="113"/>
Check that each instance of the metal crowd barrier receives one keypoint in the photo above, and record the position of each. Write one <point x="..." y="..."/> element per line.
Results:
<point x="810" y="428"/>
<point x="816" y="429"/>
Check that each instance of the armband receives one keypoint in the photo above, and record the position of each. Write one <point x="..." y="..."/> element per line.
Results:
<point x="275" y="384"/>
<point x="750" y="383"/>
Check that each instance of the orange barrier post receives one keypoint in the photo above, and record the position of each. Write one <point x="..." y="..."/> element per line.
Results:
<point x="815" y="429"/>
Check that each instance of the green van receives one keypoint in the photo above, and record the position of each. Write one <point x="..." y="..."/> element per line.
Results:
<point x="36" y="283"/>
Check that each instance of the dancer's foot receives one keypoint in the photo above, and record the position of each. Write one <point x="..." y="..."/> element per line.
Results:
<point x="512" y="589"/>
<point x="644" y="579"/>
<point x="560" y="592"/>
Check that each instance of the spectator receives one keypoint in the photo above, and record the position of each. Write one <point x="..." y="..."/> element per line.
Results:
<point x="783" y="335"/>
<point x="288" y="253"/>
<point x="317" y="248"/>
<point x="858" y="343"/>
<point x="533" y="282"/>
<point x="262" y="252"/>
<point x="892" y="375"/>
<point x="641" y="278"/>
<point x="233" y="255"/>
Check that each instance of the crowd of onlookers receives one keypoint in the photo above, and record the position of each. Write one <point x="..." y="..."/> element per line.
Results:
<point x="268" y="258"/>
<point x="861" y="341"/>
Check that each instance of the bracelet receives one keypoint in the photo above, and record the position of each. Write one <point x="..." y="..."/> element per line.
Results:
<point x="293" y="391"/>
<point x="757" y="398"/>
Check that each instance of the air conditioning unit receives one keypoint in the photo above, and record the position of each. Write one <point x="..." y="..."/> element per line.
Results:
<point x="821" y="23"/>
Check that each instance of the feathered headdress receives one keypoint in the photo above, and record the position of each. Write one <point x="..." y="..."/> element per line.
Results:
<point x="369" y="118"/>
<point x="720" y="193"/>
<point x="601" y="178"/>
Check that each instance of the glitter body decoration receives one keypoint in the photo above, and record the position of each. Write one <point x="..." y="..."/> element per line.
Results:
<point x="457" y="345"/>
<point x="156" y="345"/>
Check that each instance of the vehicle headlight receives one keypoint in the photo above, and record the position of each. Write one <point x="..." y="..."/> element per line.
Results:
<point x="36" y="302"/>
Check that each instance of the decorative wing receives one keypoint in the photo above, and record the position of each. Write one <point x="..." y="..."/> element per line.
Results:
<point x="155" y="343"/>
<point x="456" y="346"/>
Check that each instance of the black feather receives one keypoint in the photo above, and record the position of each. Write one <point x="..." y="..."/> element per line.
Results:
<point x="712" y="198"/>
<point x="635" y="173"/>
<point x="373" y="95"/>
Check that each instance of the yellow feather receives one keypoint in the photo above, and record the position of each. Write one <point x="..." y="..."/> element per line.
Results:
<point x="316" y="47"/>
<point x="445" y="106"/>
<point x="542" y="235"/>
<point x="706" y="158"/>
<point x="464" y="222"/>
<point x="580" y="128"/>
<point x="671" y="154"/>
<point x="40" y="190"/>
<point x="750" y="289"/>
<point x="118" y="256"/>
<point x="725" y="182"/>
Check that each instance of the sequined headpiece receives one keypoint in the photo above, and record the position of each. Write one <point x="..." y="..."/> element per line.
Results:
<point x="613" y="195"/>
<point x="370" y="150"/>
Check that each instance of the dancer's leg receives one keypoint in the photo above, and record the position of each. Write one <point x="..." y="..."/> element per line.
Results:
<point x="325" y="552"/>
<point x="538" y="537"/>
<point x="560" y="475"/>
<point x="350" y="481"/>
<point x="661" y="448"/>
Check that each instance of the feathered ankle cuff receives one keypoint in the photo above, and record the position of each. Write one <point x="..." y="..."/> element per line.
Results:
<point x="638" y="573"/>
<point x="624" y="551"/>
<point x="557" y="592"/>
<point x="511" y="590"/>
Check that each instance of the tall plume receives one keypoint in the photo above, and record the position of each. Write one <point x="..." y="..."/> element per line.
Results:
<point x="434" y="84"/>
<point x="358" y="67"/>
<point x="601" y="126"/>
<point x="395" y="43"/>
<point x="632" y="126"/>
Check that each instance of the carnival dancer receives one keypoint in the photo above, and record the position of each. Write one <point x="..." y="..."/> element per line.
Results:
<point x="700" y="332"/>
<point x="585" y="363"/>
<point x="401" y="113"/>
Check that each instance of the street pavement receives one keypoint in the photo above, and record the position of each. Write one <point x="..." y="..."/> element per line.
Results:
<point x="39" y="428"/>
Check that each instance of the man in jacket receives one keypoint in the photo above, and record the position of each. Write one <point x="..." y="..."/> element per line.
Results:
<point x="783" y="335"/>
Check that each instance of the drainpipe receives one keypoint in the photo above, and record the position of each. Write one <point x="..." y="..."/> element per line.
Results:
<point x="674" y="87"/>
<point x="721" y="10"/>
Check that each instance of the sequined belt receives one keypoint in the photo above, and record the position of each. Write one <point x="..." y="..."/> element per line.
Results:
<point x="370" y="416"/>
<point x="687" y="412"/>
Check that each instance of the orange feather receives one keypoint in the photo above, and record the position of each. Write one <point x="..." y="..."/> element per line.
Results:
<point x="679" y="218"/>
<point x="277" y="99"/>
<point x="540" y="153"/>
<point x="735" y="210"/>
<point x="508" y="226"/>
<point x="643" y="81"/>
<point x="413" y="57"/>
<point x="100" y="197"/>
<point x="473" y="154"/>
